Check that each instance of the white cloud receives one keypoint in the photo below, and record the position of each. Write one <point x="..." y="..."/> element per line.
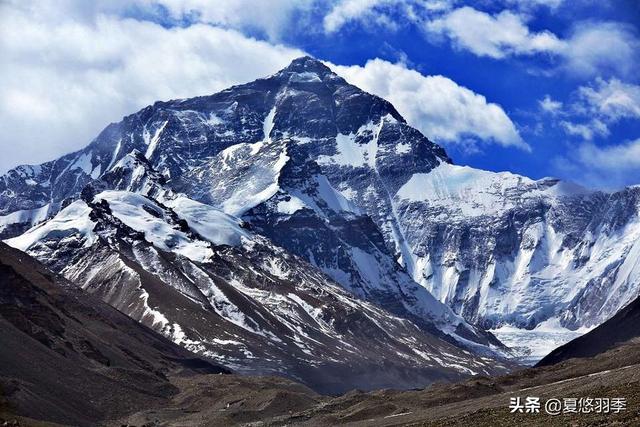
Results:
<point x="612" y="99"/>
<point x="532" y="4"/>
<point x="494" y="36"/>
<point x="601" y="46"/>
<point x="70" y="67"/>
<point x="549" y="105"/>
<point x="609" y="167"/>
<point x="271" y="17"/>
<point x="592" y="48"/>
<point x="588" y="130"/>
<point x="438" y="106"/>
<point x="383" y="12"/>
<point x="623" y="157"/>
<point x="64" y="77"/>
<point x="348" y="10"/>
<point x="380" y="12"/>
<point x="601" y="105"/>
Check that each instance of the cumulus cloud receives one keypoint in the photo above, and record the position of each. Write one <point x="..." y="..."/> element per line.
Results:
<point x="70" y="67"/>
<point x="494" y="36"/>
<point x="609" y="167"/>
<point x="624" y="157"/>
<point x="587" y="130"/>
<point x="348" y="10"/>
<point x="597" y="47"/>
<point x="589" y="49"/>
<point x="532" y="4"/>
<point x="438" y="106"/>
<point x="63" y="76"/>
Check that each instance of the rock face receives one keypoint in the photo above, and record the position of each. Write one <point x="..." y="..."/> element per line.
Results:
<point x="335" y="176"/>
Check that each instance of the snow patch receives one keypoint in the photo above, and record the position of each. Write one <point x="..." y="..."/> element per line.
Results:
<point x="83" y="162"/>
<point x="158" y="320"/>
<point x="267" y="126"/>
<point x="290" y="206"/>
<point x="474" y="192"/>
<point x="262" y="188"/>
<point x="129" y="208"/>
<point x="29" y="216"/>
<point x="334" y="199"/>
<point x="354" y="154"/>
<point x="532" y="345"/>
<point x="153" y="143"/>
<point x="403" y="148"/>
<point x="209" y="222"/>
<point x="304" y="77"/>
<point x="74" y="219"/>
<point x="114" y="156"/>
<point x="214" y="120"/>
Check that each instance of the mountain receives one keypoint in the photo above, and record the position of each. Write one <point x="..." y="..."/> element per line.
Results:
<point x="234" y="151"/>
<point x="501" y="248"/>
<point x="335" y="176"/>
<point x="620" y="329"/>
<point x="68" y="357"/>
<point x="531" y="260"/>
<point x="207" y="282"/>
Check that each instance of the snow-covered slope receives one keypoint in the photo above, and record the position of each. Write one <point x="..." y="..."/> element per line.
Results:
<point x="501" y="248"/>
<point x="334" y="175"/>
<point x="520" y="256"/>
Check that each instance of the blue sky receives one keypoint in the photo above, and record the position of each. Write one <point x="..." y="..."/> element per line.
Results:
<point x="538" y="87"/>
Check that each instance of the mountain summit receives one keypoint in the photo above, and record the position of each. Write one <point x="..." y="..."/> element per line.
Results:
<point x="308" y="64"/>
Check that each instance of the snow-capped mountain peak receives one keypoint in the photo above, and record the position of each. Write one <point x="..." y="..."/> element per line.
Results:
<point x="336" y="176"/>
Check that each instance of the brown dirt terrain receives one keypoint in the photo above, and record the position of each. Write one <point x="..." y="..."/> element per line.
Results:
<point x="234" y="400"/>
